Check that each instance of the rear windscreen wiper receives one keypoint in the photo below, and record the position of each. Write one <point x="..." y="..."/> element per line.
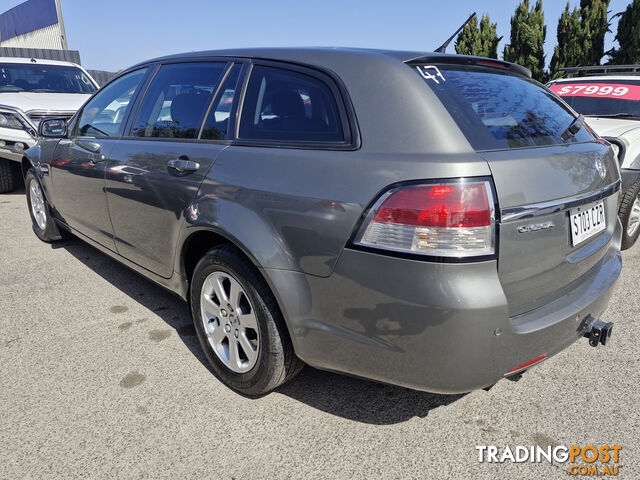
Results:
<point x="573" y="128"/>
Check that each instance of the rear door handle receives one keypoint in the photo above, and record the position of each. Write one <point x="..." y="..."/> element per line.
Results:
<point x="183" y="165"/>
<point x="97" y="157"/>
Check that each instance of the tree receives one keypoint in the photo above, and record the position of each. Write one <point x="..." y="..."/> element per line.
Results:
<point x="628" y="37"/>
<point x="481" y="41"/>
<point x="593" y="16"/>
<point x="568" y="52"/>
<point x="580" y="36"/>
<point x="528" y="33"/>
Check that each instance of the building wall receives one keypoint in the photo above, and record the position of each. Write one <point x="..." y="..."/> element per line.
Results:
<point x="33" y="24"/>
<point x="42" y="53"/>
<point x="48" y="37"/>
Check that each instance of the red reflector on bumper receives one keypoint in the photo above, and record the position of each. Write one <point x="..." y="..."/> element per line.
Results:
<point x="527" y="364"/>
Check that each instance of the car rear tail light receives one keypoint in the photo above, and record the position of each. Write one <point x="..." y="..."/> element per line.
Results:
<point x="447" y="219"/>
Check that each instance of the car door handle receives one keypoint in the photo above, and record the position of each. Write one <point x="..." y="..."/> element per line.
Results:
<point x="97" y="157"/>
<point x="183" y="165"/>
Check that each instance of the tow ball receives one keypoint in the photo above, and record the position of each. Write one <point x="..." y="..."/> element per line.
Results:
<point x="599" y="332"/>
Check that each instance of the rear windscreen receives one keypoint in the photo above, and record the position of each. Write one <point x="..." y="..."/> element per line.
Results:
<point x="499" y="110"/>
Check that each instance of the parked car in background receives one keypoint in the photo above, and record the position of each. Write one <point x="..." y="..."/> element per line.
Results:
<point x="30" y="91"/>
<point x="611" y="103"/>
<point x="433" y="221"/>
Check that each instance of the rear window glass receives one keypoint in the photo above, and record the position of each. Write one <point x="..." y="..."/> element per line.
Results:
<point x="500" y="110"/>
<point x="285" y="105"/>
<point x="620" y="98"/>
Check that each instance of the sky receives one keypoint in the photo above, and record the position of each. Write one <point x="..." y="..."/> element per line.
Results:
<point x="115" y="34"/>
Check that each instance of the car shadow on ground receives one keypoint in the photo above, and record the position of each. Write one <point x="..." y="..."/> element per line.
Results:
<point x="18" y="191"/>
<point x="347" y="397"/>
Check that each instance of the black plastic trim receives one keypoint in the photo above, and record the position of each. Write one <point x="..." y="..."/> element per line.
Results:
<point x="621" y="145"/>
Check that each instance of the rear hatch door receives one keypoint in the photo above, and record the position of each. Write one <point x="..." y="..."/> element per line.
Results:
<point x="544" y="170"/>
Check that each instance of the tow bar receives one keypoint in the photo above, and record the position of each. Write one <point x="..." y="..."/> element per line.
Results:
<point x="598" y="332"/>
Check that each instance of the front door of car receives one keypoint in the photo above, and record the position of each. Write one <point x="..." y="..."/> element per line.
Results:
<point x="154" y="173"/>
<point x="79" y="163"/>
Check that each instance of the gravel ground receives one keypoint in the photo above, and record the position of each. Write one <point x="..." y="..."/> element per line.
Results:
<point x="103" y="377"/>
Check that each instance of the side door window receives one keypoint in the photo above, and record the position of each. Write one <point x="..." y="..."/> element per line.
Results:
<point x="177" y="100"/>
<point x="289" y="106"/>
<point x="217" y="126"/>
<point x="105" y="112"/>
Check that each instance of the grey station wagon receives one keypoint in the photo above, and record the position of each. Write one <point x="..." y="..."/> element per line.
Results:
<point x="428" y="220"/>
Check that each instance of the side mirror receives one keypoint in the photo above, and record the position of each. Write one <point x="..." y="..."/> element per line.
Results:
<point x="53" y="128"/>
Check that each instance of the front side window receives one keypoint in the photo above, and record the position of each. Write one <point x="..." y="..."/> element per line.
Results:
<point x="499" y="110"/>
<point x="104" y="113"/>
<point x="177" y="100"/>
<point x="601" y="98"/>
<point x="285" y="105"/>
<point x="38" y="78"/>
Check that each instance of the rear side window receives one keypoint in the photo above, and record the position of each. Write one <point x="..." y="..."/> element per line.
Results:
<point x="217" y="126"/>
<point x="177" y="100"/>
<point x="499" y="110"/>
<point x="286" y="105"/>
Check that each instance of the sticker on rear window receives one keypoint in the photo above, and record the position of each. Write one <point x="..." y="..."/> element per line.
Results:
<point x="430" y="72"/>
<point x="604" y="90"/>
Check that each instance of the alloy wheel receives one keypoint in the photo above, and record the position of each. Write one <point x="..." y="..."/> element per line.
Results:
<point x="230" y="322"/>
<point x="37" y="204"/>
<point x="634" y="218"/>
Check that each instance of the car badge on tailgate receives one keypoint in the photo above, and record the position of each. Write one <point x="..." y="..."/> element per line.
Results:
<point x="535" y="227"/>
<point x="602" y="170"/>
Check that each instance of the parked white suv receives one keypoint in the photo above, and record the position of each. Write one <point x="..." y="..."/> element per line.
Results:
<point x="611" y="103"/>
<point x="31" y="90"/>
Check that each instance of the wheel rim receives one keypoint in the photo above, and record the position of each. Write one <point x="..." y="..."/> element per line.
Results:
<point x="37" y="204"/>
<point x="634" y="218"/>
<point x="229" y="321"/>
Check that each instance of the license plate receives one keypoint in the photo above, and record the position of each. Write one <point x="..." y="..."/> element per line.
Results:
<point x="586" y="221"/>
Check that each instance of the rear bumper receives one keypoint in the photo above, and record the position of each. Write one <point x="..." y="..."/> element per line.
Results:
<point x="430" y="326"/>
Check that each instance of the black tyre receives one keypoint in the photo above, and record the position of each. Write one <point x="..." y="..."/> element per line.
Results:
<point x="629" y="213"/>
<point x="9" y="175"/>
<point x="239" y="324"/>
<point x="44" y="226"/>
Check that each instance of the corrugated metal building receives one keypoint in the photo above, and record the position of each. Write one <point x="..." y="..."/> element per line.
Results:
<point x="34" y="24"/>
<point x="35" y="29"/>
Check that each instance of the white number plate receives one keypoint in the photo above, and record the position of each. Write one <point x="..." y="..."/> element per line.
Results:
<point x="587" y="221"/>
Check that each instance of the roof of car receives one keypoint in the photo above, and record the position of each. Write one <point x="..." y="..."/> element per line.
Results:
<point x="322" y="55"/>
<point x="294" y="53"/>
<point x="35" y="61"/>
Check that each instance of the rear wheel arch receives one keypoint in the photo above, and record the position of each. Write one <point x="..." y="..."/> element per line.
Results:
<point x="196" y="246"/>
<point x="198" y="243"/>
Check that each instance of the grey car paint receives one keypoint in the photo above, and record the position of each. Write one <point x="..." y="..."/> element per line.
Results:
<point x="423" y="324"/>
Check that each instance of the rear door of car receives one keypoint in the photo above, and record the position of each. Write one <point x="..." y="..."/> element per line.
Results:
<point x="155" y="170"/>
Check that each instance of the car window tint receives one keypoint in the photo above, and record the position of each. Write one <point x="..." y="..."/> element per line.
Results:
<point x="498" y="110"/>
<point x="177" y="100"/>
<point x="217" y="125"/>
<point x="104" y="113"/>
<point x="289" y="106"/>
